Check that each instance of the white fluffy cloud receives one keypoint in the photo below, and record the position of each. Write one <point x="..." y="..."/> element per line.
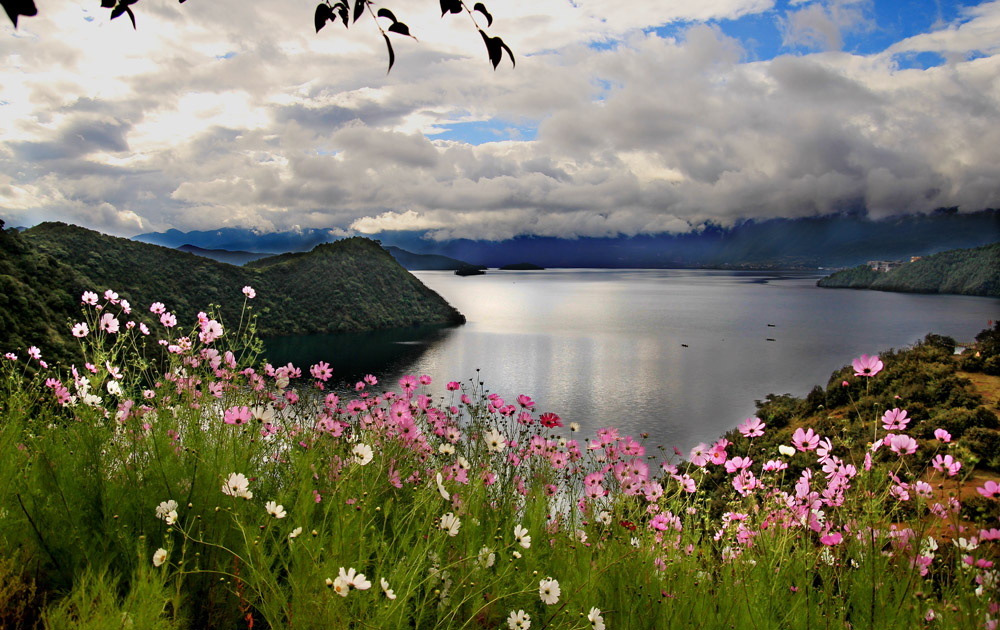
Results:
<point x="236" y="114"/>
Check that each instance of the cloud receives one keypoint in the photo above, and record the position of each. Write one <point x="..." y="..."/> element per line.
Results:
<point x="210" y="116"/>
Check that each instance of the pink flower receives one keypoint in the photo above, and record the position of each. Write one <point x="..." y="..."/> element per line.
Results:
<point x="408" y="383"/>
<point x="89" y="297"/>
<point x="452" y="386"/>
<point x="902" y="445"/>
<point x="169" y="320"/>
<point x="111" y="296"/>
<point x="237" y="415"/>
<point x="831" y="539"/>
<point x="990" y="489"/>
<point x="525" y="401"/>
<point x="109" y="323"/>
<point x="699" y="455"/>
<point x="322" y="371"/>
<point x="737" y="464"/>
<point x="945" y="463"/>
<point x="371" y="380"/>
<point x="249" y="292"/>
<point x="895" y="420"/>
<point x="867" y="366"/>
<point x="425" y="379"/>
<point x="942" y="435"/>
<point x="157" y="308"/>
<point x="210" y="331"/>
<point x="34" y="353"/>
<point x="550" y="420"/>
<point x="752" y="427"/>
<point x="805" y="440"/>
<point x="143" y="328"/>
<point x="687" y="483"/>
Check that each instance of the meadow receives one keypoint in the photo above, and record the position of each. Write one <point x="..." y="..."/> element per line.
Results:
<point x="178" y="480"/>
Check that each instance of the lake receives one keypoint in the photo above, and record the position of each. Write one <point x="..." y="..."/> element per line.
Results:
<point x="679" y="354"/>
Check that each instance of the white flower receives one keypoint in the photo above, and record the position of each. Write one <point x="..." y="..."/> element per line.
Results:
<point x="450" y="523"/>
<point x="275" y="510"/>
<point x="581" y="535"/>
<point x="446" y="449"/>
<point x="362" y="454"/>
<point x="519" y="620"/>
<point x="605" y="517"/>
<point x="967" y="545"/>
<point x="114" y="388"/>
<point x="263" y="414"/>
<point x="928" y="547"/>
<point x="595" y="618"/>
<point x="548" y="590"/>
<point x="237" y="486"/>
<point x="486" y="557"/>
<point x="165" y="507"/>
<point x="159" y="557"/>
<point x="81" y="330"/>
<point x="385" y="589"/>
<point x="787" y="451"/>
<point x="635" y="542"/>
<point x="171" y="517"/>
<point x="295" y="532"/>
<point x="340" y="585"/>
<point x="495" y="441"/>
<point x="517" y="554"/>
<point x="463" y="463"/>
<point x="441" y="488"/>
<point x="351" y="578"/>
<point x="574" y="426"/>
<point x="522" y="537"/>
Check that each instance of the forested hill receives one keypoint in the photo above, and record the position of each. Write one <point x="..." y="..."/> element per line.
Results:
<point x="347" y="286"/>
<point x="961" y="271"/>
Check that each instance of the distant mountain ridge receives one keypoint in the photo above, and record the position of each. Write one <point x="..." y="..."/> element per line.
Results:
<point x="842" y="240"/>
<point x="959" y="271"/>
<point x="349" y="286"/>
<point x="224" y="255"/>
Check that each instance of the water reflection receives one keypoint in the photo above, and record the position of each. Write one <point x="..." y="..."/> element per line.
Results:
<point x="679" y="354"/>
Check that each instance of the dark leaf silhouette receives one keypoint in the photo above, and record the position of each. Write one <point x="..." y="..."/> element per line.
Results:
<point x="482" y="9"/>
<point x="118" y="10"/>
<point x="323" y="14"/>
<point x="399" y="27"/>
<point x="386" y="13"/>
<point x="131" y="17"/>
<point x="392" y="57"/>
<point x="495" y="48"/>
<point x="15" y="8"/>
<point x="451" y="6"/>
<point x="341" y="8"/>
<point x="107" y="4"/>
<point x="359" y="8"/>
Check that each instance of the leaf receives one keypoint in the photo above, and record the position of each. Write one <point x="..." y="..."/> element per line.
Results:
<point x="342" y="9"/>
<point x="118" y="10"/>
<point x="392" y="57"/>
<point x="107" y="4"/>
<point x="386" y="13"/>
<point x="14" y="8"/>
<point x="399" y="27"/>
<point x="451" y="6"/>
<point x="482" y="9"/>
<point x="359" y="8"/>
<point x="495" y="47"/>
<point x="323" y="14"/>
<point x="131" y="17"/>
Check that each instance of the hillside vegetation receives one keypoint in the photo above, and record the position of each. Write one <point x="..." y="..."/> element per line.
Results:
<point x="960" y="271"/>
<point x="348" y="286"/>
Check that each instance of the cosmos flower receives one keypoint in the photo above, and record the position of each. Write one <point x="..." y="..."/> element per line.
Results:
<point x="548" y="590"/>
<point x="867" y="365"/>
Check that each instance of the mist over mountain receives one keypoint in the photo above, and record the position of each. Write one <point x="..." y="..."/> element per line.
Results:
<point x="843" y="240"/>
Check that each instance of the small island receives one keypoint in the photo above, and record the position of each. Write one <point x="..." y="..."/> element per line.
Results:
<point x="958" y="271"/>
<point x="470" y="270"/>
<point x="522" y="266"/>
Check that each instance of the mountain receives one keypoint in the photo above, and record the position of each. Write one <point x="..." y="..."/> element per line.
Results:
<point x="347" y="286"/>
<point x="240" y="239"/>
<point x="224" y="255"/>
<point x="841" y="240"/>
<point x="409" y="260"/>
<point x="961" y="271"/>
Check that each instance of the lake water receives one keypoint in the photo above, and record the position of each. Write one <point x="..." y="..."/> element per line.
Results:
<point x="679" y="354"/>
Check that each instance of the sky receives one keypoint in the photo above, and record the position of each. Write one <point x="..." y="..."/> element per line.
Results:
<point x="647" y="117"/>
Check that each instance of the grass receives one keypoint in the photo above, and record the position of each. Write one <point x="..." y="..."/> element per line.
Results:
<point x="217" y="491"/>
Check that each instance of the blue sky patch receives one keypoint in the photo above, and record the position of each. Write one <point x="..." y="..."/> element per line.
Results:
<point x="483" y="131"/>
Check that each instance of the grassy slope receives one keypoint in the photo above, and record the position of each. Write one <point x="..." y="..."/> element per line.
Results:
<point x="962" y="271"/>
<point x="351" y="285"/>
